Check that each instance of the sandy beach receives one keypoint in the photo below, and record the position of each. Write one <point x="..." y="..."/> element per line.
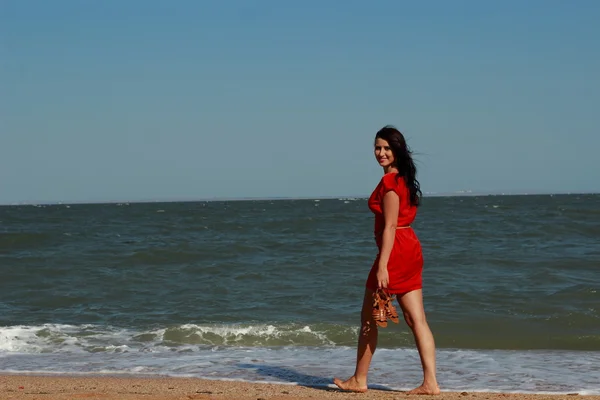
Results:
<point x="135" y="388"/>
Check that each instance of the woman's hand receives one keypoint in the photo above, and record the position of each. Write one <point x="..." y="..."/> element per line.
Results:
<point x="383" y="278"/>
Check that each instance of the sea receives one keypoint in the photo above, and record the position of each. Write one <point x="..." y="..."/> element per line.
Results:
<point x="271" y="290"/>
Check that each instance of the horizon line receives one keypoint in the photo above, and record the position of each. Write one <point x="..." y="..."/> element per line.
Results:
<point x="462" y="193"/>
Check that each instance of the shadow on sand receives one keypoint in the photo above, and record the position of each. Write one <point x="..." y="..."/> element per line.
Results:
<point x="292" y="376"/>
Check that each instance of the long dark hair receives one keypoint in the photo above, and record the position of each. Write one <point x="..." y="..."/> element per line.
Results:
<point x="404" y="162"/>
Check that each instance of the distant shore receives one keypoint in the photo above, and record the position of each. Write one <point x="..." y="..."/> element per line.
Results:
<point x="225" y="199"/>
<point x="63" y="387"/>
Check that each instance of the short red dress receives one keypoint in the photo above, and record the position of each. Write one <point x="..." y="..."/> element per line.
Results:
<point x="405" y="265"/>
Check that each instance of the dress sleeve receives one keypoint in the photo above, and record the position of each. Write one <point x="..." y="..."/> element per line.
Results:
<point x="390" y="183"/>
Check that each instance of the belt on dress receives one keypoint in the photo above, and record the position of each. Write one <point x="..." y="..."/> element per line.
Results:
<point x="398" y="227"/>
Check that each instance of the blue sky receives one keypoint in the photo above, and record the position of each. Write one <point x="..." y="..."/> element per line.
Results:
<point x="156" y="100"/>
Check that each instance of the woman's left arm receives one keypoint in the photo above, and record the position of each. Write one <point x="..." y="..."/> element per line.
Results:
<point x="391" y="205"/>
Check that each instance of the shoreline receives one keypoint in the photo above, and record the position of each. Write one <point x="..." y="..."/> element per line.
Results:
<point x="153" y="387"/>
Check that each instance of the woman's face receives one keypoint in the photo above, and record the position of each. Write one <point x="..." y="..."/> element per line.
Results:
<point x="383" y="153"/>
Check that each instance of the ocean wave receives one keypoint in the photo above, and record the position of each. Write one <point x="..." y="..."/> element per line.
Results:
<point x="52" y="338"/>
<point x="88" y="338"/>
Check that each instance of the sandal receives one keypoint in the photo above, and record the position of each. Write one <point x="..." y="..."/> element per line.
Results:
<point x="390" y="310"/>
<point x="379" y="310"/>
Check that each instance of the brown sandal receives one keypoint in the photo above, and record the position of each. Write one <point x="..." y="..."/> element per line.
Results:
<point x="379" y="310"/>
<point x="390" y="310"/>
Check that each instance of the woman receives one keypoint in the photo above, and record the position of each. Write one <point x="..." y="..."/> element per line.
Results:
<point x="399" y="264"/>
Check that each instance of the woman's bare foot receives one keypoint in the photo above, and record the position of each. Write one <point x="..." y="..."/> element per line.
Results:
<point x="350" y="385"/>
<point x="426" y="389"/>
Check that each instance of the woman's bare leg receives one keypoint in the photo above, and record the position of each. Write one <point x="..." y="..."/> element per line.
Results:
<point x="414" y="315"/>
<point x="367" y="343"/>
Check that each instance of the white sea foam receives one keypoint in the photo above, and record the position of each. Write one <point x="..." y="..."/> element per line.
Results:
<point x="19" y="339"/>
<point x="53" y="338"/>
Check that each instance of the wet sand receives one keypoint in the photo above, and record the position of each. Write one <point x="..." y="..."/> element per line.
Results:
<point x="155" y="388"/>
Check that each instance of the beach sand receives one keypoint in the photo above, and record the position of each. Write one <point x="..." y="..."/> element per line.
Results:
<point x="135" y="388"/>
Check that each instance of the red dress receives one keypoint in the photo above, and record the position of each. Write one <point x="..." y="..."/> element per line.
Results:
<point x="405" y="265"/>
